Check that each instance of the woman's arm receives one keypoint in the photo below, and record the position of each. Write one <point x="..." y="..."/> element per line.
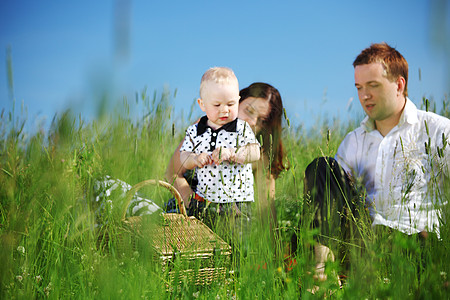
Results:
<point x="248" y="153"/>
<point x="265" y="187"/>
<point x="265" y="196"/>
<point x="270" y="180"/>
<point x="174" y="174"/>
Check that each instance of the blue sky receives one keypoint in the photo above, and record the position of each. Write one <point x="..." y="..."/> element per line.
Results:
<point x="64" y="54"/>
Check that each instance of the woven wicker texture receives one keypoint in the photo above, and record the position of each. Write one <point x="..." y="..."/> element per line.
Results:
<point x="201" y="255"/>
<point x="186" y="235"/>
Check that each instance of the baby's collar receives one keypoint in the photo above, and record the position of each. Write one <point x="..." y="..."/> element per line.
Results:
<point x="203" y="125"/>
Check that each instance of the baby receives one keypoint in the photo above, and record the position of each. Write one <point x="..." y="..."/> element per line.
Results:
<point x="220" y="145"/>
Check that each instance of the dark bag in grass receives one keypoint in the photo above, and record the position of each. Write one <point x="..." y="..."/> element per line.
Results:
<point x="171" y="206"/>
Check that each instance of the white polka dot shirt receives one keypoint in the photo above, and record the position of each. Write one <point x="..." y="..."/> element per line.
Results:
<point x="227" y="182"/>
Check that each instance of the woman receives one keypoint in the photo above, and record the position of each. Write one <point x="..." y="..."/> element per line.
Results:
<point x="260" y="105"/>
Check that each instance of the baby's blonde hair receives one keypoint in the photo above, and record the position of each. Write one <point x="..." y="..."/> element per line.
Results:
<point x="222" y="75"/>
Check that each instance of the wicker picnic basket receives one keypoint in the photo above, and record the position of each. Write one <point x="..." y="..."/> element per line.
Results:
<point x="186" y="247"/>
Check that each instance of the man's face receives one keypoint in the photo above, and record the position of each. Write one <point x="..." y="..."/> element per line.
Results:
<point x="379" y="97"/>
<point x="220" y="102"/>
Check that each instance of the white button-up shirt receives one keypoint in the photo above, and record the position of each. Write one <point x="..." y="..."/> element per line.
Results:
<point x="403" y="171"/>
<point x="227" y="182"/>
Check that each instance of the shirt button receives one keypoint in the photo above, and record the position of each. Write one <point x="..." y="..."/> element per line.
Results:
<point x="214" y="134"/>
<point x="212" y="144"/>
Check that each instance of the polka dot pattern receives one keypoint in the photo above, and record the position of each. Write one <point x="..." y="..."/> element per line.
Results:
<point x="228" y="182"/>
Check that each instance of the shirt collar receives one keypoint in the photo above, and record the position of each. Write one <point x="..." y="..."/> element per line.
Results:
<point x="368" y="124"/>
<point x="203" y="125"/>
<point x="409" y="115"/>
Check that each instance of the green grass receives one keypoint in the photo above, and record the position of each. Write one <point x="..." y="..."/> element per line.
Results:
<point x="49" y="243"/>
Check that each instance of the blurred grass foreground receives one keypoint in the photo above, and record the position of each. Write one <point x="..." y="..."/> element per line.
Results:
<point x="49" y="234"/>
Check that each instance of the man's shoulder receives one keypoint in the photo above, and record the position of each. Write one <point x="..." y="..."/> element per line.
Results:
<point x="431" y="115"/>
<point x="433" y="119"/>
<point x="359" y="131"/>
<point x="351" y="140"/>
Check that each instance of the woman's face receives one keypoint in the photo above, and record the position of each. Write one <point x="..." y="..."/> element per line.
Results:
<point x="253" y="111"/>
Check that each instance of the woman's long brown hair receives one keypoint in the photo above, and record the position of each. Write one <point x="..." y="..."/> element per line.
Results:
<point x="270" y="132"/>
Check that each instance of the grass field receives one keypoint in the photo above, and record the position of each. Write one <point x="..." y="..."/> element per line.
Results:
<point x="49" y="241"/>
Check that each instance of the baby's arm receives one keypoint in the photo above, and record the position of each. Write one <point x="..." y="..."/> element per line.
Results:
<point x="191" y="160"/>
<point x="246" y="154"/>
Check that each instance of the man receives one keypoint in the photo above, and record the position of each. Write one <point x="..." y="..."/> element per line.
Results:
<point x="398" y="151"/>
<point x="399" y="154"/>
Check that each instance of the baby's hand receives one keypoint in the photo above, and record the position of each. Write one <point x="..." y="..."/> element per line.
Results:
<point x="203" y="159"/>
<point x="222" y="154"/>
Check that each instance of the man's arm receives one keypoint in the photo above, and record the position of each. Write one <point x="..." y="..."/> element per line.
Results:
<point x="346" y="154"/>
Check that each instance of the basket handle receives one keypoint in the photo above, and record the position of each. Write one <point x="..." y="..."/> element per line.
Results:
<point x="141" y="184"/>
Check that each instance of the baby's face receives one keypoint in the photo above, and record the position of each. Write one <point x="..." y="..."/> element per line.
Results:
<point x="220" y="102"/>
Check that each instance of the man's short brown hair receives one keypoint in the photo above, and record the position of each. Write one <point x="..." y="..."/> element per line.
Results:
<point x="395" y="65"/>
